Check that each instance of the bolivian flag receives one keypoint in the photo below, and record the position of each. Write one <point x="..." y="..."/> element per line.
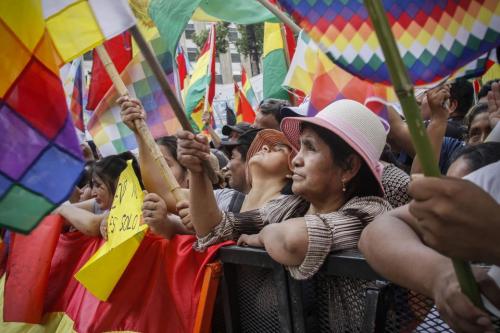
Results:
<point x="201" y="90"/>
<point x="274" y="62"/>
<point x="242" y="107"/>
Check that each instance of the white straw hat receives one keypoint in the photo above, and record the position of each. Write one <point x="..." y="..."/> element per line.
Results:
<point x="354" y="123"/>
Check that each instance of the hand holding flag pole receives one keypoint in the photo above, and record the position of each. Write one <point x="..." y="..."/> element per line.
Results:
<point x="150" y="57"/>
<point x="141" y="126"/>
<point x="404" y="90"/>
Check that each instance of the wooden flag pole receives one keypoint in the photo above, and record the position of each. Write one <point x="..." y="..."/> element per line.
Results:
<point x="404" y="89"/>
<point x="158" y="72"/>
<point x="142" y="128"/>
<point x="281" y="16"/>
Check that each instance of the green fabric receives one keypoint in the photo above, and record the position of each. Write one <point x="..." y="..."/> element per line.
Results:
<point x="21" y="210"/>
<point x="171" y="18"/>
<point x="274" y="71"/>
<point x="237" y="11"/>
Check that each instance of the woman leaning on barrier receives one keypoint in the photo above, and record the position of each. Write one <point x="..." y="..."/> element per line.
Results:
<point x="336" y="170"/>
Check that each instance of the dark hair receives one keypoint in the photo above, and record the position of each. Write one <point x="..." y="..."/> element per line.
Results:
<point x="110" y="168"/>
<point x="93" y="148"/>
<point x="473" y="112"/>
<point x="364" y="182"/>
<point x="486" y="88"/>
<point x="273" y="106"/>
<point x="462" y="92"/>
<point x="479" y="155"/>
<point x="86" y="177"/>
<point x="243" y="150"/>
<point x="169" y="142"/>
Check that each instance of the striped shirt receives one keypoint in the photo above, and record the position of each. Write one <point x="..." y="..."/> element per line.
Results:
<point x="326" y="232"/>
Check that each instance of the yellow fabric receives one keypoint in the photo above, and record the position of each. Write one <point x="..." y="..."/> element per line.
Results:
<point x="200" y="68"/>
<point x="23" y="18"/>
<point x="125" y="232"/>
<point x="46" y="53"/>
<point x="492" y="74"/>
<point x="13" y="59"/>
<point x="200" y="15"/>
<point x="272" y="38"/>
<point x="74" y="30"/>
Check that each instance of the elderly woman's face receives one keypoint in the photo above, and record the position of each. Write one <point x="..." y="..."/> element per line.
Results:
<point x="314" y="174"/>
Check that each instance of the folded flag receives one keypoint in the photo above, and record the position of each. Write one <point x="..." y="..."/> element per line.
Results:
<point x="109" y="133"/>
<point x="40" y="156"/>
<point x="242" y="107"/>
<point x="434" y="38"/>
<point x="77" y="26"/>
<point x="201" y="90"/>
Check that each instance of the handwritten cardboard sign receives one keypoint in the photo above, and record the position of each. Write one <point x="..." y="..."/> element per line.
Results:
<point x="125" y="232"/>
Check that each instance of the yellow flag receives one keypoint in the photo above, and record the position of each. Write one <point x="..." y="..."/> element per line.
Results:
<point x="125" y="233"/>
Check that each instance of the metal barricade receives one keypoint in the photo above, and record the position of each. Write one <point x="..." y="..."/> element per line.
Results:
<point x="346" y="295"/>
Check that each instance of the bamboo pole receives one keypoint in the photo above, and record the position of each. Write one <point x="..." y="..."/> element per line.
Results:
<point x="280" y="15"/>
<point x="404" y="90"/>
<point x="142" y="128"/>
<point x="157" y="70"/>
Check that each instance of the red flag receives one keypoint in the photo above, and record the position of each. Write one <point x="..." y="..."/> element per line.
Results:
<point x="243" y="109"/>
<point x="120" y="50"/>
<point x="158" y="292"/>
<point x="182" y="66"/>
<point x="28" y="271"/>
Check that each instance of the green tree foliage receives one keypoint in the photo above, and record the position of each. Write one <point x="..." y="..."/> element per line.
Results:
<point x="251" y="43"/>
<point x="221" y="41"/>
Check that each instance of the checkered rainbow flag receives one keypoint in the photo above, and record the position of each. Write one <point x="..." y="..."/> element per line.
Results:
<point x="435" y="38"/>
<point x="109" y="133"/>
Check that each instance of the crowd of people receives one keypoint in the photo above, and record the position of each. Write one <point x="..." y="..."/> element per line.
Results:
<point x="301" y="187"/>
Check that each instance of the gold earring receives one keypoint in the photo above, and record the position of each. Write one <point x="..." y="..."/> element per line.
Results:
<point x="343" y="185"/>
<point x="289" y="176"/>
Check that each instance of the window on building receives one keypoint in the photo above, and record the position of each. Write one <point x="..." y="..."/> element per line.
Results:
<point x="237" y="78"/>
<point x="233" y="35"/>
<point x="189" y="31"/>
<point x="192" y="53"/>
<point x="218" y="79"/>
<point x="235" y="57"/>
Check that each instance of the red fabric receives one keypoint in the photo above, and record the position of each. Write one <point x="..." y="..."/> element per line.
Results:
<point x="28" y="271"/>
<point x="38" y="88"/>
<point x="290" y="41"/>
<point x="76" y="105"/>
<point x="120" y="50"/>
<point x="158" y="292"/>
<point x="182" y="68"/>
<point x="244" y="111"/>
<point x="211" y="85"/>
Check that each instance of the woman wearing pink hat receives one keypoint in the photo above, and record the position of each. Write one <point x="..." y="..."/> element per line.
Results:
<point x="336" y="170"/>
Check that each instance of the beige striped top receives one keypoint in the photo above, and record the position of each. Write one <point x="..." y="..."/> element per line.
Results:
<point x="326" y="232"/>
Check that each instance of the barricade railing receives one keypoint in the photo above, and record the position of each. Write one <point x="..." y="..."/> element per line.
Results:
<point x="346" y="295"/>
